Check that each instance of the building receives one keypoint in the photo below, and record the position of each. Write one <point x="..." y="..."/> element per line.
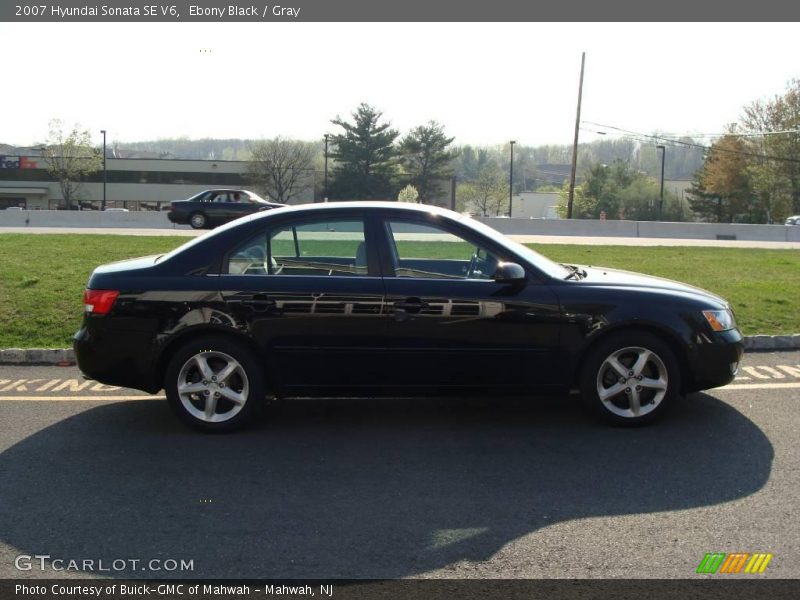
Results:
<point x="535" y="205"/>
<point x="133" y="183"/>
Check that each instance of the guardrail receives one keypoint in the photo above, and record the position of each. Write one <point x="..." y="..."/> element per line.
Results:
<point x="562" y="227"/>
<point x="645" y="229"/>
<point x="85" y="218"/>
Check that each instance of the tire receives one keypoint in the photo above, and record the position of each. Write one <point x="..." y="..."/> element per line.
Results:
<point x="214" y="384"/>
<point x="198" y="220"/>
<point x="630" y="379"/>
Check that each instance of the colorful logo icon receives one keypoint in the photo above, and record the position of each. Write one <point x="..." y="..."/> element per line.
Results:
<point x="735" y="562"/>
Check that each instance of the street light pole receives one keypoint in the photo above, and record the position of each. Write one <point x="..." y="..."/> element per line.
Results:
<point x="325" y="194"/>
<point x="511" y="177"/>
<point x="661" y="197"/>
<point x="105" y="172"/>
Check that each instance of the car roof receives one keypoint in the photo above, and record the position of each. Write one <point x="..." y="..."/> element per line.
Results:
<point x="368" y="204"/>
<point x="343" y="207"/>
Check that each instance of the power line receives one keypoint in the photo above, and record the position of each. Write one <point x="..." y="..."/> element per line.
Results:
<point x="737" y="133"/>
<point x="675" y="142"/>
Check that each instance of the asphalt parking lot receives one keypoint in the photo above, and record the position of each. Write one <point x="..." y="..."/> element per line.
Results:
<point x="441" y="488"/>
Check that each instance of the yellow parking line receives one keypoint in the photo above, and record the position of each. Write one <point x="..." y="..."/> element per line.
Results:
<point x="120" y="398"/>
<point x="78" y="398"/>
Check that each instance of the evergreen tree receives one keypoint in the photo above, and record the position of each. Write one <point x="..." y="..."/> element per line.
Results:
<point x="365" y="155"/>
<point x="426" y="158"/>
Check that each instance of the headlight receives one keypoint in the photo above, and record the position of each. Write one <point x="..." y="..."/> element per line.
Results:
<point x="720" y="320"/>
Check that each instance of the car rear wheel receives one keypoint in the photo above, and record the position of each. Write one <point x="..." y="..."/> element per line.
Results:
<point x="630" y="379"/>
<point x="213" y="384"/>
<point x="198" y="220"/>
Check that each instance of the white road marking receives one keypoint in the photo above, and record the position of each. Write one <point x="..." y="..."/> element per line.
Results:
<point x="759" y="386"/>
<point x="74" y="385"/>
<point x="48" y="385"/>
<point x="791" y="371"/>
<point x="755" y="372"/>
<point x="774" y="373"/>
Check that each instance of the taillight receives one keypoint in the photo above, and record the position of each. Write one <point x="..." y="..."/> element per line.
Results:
<point x="99" y="302"/>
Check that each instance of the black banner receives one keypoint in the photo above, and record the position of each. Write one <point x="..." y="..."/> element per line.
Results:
<point x="433" y="589"/>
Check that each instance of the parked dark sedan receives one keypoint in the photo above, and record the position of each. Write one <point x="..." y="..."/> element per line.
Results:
<point x="393" y="299"/>
<point x="215" y="207"/>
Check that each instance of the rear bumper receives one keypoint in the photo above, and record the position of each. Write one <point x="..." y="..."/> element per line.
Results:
<point x="176" y="217"/>
<point x="714" y="361"/>
<point x="110" y="360"/>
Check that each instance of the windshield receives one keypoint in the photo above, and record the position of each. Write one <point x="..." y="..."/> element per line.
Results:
<point x="255" y="197"/>
<point x="542" y="263"/>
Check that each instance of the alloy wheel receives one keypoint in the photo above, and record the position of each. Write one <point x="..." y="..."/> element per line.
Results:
<point x="213" y="386"/>
<point x="632" y="382"/>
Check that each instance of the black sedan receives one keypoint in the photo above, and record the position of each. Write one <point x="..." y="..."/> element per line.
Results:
<point x="367" y="299"/>
<point x="215" y="207"/>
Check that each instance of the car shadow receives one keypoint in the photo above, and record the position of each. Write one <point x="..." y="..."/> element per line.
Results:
<point x="356" y="488"/>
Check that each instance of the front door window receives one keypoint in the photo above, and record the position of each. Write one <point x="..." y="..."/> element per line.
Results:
<point x="426" y="251"/>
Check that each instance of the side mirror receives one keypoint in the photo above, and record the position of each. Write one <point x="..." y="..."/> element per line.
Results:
<point x="509" y="272"/>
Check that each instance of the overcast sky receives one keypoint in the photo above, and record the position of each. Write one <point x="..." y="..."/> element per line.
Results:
<point x="487" y="83"/>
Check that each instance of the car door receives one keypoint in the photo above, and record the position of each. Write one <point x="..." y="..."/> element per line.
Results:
<point x="223" y="207"/>
<point x="451" y="325"/>
<point x="240" y="205"/>
<point x="309" y="292"/>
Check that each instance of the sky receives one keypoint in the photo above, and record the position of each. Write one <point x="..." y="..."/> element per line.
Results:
<point x="487" y="83"/>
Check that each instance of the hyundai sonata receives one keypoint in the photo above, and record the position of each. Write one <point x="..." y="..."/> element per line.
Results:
<point x="376" y="298"/>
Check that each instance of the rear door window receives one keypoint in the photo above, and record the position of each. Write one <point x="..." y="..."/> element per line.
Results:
<point x="309" y="248"/>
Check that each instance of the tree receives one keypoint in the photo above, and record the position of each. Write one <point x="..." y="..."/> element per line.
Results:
<point x="426" y="158"/>
<point x="408" y="194"/>
<point x="621" y="192"/>
<point x="282" y="169"/>
<point x="779" y="169"/>
<point x="365" y="156"/>
<point x="486" y="194"/>
<point x="721" y="191"/>
<point x="70" y="158"/>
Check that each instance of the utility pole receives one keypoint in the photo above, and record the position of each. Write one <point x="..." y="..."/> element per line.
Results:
<point x="105" y="171"/>
<point x="663" y="160"/>
<point x="575" y="144"/>
<point x="325" y="193"/>
<point x="511" y="177"/>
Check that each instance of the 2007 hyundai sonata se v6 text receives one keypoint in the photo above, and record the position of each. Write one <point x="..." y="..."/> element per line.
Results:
<point x="383" y="298"/>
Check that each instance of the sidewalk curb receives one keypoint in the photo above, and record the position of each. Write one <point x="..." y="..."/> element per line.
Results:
<point x="770" y="342"/>
<point x="37" y="356"/>
<point x="66" y="356"/>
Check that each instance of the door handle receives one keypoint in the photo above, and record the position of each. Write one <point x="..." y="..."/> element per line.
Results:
<point x="260" y="302"/>
<point x="410" y="305"/>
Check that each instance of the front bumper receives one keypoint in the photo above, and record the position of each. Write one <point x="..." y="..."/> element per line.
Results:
<point x="714" y="360"/>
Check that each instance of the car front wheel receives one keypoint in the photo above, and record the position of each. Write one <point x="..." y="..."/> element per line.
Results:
<point x="213" y="384"/>
<point x="630" y="378"/>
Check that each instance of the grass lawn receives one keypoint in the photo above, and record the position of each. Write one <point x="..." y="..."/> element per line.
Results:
<point x="42" y="278"/>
